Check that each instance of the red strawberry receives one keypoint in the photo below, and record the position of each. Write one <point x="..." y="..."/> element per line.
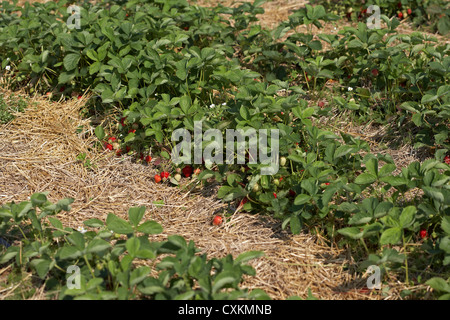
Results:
<point x="399" y="5"/>
<point x="164" y="175"/>
<point x="243" y="201"/>
<point x="132" y="131"/>
<point x="275" y="195"/>
<point x="375" y="72"/>
<point x="79" y="97"/>
<point x="112" y="139"/>
<point x="447" y="159"/>
<point x="400" y="15"/>
<point x="321" y="104"/>
<point x="423" y="233"/>
<point x="187" y="171"/>
<point x="409" y="11"/>
<point x="197" y="171"/>
<point x="148" y="159"/>
<point x="109" y="146"/>
<point x="327" y="183"/>
<point x="119" y="153"/>
<point x="157" y="178"/>
<point x="217" y="220"/>
<point x="128" y="148"/>
<point x="62" y="89"/>
<point x="292" y="193"/>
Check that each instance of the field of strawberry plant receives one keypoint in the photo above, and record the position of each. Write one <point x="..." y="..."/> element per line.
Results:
<point x="151" y="68"/>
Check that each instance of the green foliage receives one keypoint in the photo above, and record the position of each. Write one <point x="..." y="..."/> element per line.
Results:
<point x="108" y="262"/>
<point x="169" y="64"/>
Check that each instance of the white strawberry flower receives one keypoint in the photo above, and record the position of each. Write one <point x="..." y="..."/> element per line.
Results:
<point x="81" y="230"/>
<point x="8" y="68"/>
<point x="350" y="89"/>
<point x="212" y="105"/>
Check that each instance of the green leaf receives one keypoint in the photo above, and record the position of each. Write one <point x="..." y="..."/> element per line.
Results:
<point x="38" y="199"/>
<point x="69" y="252"/>
<point x="178" y="241"/>
<point x="429" y="98"/>
<point x="10" y="253"/>
<point x="365" y="178"/>
<point x="139" y="274"/>
<point x="249" y="255"/>
<point x="93" y="223"/>
<point x="407" y="216"/>
<point x="394" y="181"/>
<point x="438" y="284"/>
<point x="301" y="199"/>
<point x="133" y="244"/>
<point x="77" y="239"/>
<point x="445" y="224"/>
<point x="150" y="227"/>
<point x="391" y="236"/>
<point x="42" y="267"/>
<point x="351" y="232"/>
<point x="55" y="222"/>
<point x="97" y="245"/>
<point x="295" y="224"/>
<point x="118" y="225"/>
<point x="222" y="280"/>
<point x="308" y="112"/>
<point x="136" y="214"/>
<point x="100" y="133"/>
<point x="71" y="61"/>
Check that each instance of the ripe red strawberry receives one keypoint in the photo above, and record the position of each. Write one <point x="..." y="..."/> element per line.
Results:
<point x="327" y="183"/>
<point x="187" y="171"/>
<point x="447" y="159"/>
<point x="292" y="193"/>
<point x="321" y="104"/>
<point x="217" y="220"/>
<point x="275" y="195"/>
<point x="109" y="146"/>
<point x="409" y="11"/>
<point x="79" y="97"/>
<point x="423" y="233"/>
<point x="157" y="178"/>
<point x="164" y="175"/>
<point x="119" y="153"/>
<point x="375" y="72"/>
<point x="128" y="149"/>
<point x="112" y="139"/>
<point x="400" y="15"/>
<point x="148" y="159"/>
<point x="399" y="5"/>
<point x="197" y="171"/>
<point x="132" y="131"/>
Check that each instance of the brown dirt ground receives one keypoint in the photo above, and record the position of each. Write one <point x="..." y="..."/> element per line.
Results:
<point x="38" y="153"/>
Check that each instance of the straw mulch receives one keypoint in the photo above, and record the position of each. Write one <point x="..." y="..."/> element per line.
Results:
<point x="38" y="152"/>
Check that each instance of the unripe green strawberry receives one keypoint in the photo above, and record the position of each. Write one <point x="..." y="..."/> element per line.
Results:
<point x="177" y="177"/>
<point x="276" y="182"/>
<point x="283" y="161"/>
<point x="256" y="188"/>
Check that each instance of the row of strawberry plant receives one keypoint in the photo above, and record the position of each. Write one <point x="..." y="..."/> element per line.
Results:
<point x="106" y="261"/>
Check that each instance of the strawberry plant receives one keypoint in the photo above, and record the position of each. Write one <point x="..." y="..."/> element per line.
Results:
<point x="105" y="256"/>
